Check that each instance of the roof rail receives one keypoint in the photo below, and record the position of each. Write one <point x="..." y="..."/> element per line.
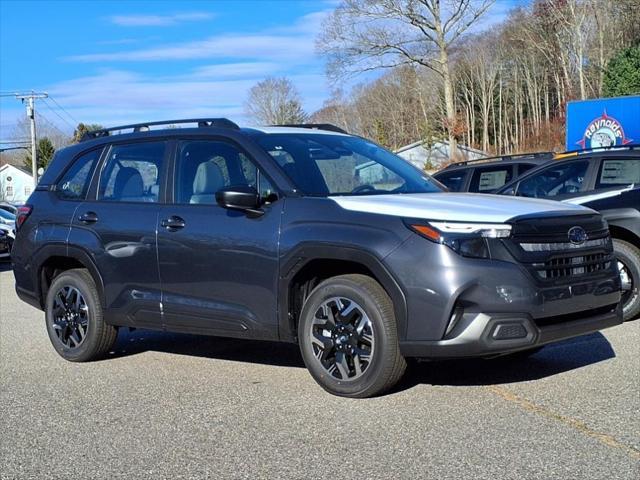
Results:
<point x="515" y="156"/>
<point x="143" y="127"/>
<point x="573" y="153"/>
<point x="315" y="126"/>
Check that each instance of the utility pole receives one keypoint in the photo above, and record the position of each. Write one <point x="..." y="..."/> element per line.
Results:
<point x="31" y="113"/>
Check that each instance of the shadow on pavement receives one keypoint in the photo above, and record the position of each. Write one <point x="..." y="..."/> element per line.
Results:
<point x="5" y="266"/>
<point x="552" y="360"/>
<point x="251" y="351"/>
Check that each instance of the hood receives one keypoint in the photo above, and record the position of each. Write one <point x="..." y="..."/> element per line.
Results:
<point x="455" y="207"/>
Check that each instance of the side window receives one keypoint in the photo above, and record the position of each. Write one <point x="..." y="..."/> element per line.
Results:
<point x="618" y="173"/>
<point x="75" y="182"/>
<point x="132" y="173"/>
<point x="206" y="166"/>
<point x="524" y="167"/>
<point x="563" y="178"/>
<point x="453" y="180"/>
<point x="488" y="179"/>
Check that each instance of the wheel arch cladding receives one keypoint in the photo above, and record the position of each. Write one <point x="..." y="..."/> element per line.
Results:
<point x="57" y="259"/>
<point x="307" y="266"/>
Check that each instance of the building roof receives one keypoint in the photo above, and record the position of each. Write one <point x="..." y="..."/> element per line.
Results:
<point x="438" y="144"/>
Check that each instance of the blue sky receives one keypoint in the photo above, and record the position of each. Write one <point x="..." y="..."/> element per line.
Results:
<point x="116" y="62"/>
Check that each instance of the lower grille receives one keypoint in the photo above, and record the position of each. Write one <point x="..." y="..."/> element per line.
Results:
<point x="574" y="266"/>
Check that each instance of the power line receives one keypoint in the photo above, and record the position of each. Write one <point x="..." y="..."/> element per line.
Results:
<point x="51" y="124"/>
<point x="73" y="119"/>
<point x="56" y="113"/>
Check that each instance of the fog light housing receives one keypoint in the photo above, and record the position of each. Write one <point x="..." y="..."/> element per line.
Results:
<point x="509" y="331"/>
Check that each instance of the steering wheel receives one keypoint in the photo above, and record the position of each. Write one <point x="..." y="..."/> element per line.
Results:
<point x="364" y="188"/>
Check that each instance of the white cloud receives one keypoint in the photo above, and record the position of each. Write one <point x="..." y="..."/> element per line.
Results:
<point x="222" y="46"/>
<point x="119" y="97"/>
<point x="235" y="70"/>
<point x="158" y="20"/>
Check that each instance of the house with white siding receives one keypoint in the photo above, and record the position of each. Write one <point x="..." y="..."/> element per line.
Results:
<point x="16" y="184"/>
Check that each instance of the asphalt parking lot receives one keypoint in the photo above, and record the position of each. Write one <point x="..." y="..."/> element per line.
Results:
<point x="181" y="406"/>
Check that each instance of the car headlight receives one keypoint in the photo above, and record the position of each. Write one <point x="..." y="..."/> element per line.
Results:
<point x="466" y="239"/>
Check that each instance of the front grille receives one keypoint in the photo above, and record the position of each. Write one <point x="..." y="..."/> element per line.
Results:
<point x="543" y="246"/>
<point x="559" y="246"/>
<point x="563" y="267"/>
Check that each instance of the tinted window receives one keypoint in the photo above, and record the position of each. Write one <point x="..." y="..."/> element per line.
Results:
<point x="453" y="180"/>
<point x="619" y="172"/>
<point x="132" y="173"/>
<point x="75" y="182"/>
<point x="204" y="167"/>
<point x="524" y="167"/>
<point x="488" y="179"/>
<point x="561" y="179"/>
<point x="321" y="164"/>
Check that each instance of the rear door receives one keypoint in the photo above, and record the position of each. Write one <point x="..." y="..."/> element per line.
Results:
<point x="219" y="267"/>
<point x="117" y="224"/>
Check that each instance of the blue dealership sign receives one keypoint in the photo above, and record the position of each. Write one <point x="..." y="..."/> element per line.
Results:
<point x="603" y="122"/>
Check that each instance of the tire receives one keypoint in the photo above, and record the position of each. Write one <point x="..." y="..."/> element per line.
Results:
<point x="629" y="256"/>
<point x="368" y="326"/>
<point x="73" y="307"/>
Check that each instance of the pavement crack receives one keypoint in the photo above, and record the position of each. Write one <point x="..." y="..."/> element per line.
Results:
<point x="573" y="423"/>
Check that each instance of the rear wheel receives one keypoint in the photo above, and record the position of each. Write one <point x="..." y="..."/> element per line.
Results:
<point x="348" y="337"/>
<point x="74" y="318"/>
<point x="629" y="265"/>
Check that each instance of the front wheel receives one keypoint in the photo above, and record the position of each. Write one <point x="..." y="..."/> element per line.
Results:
<point x="348" y="337"/>
<point x="628" y="256"/>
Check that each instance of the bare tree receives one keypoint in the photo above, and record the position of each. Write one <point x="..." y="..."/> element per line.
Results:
<point x="274" y="101"/>
<point x="362" y="35"/>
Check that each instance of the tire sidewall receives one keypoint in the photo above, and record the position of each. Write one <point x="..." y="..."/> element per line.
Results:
<point x="371" y="376"/>
<point x="630" y="256"/>
<point x="89" y="345"/>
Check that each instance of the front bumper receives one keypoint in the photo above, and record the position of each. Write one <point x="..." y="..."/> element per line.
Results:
<point x="455" y="304"/>
<point x="485" y="335"/>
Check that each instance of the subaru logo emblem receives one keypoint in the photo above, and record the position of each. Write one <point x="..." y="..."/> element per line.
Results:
<point x="577" y="235"/>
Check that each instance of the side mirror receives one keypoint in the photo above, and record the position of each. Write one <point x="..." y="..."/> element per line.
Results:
<point x="240" y="197"/>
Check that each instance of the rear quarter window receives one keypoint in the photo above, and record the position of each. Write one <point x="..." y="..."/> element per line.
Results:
<point x="75" y="182"/>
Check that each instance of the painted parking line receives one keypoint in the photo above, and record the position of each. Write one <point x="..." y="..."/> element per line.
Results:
<point x="573" y="423"/>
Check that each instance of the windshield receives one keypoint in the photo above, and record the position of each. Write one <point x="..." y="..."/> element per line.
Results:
<point x="7" y="215"/>
<point x="322" y="165"/>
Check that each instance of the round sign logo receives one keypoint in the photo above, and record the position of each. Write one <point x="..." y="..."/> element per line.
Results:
<point x="604" y="131"/>
<point x="577" y="235"/>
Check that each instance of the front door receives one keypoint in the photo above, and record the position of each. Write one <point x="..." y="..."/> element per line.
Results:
<point x="218" y="267"/>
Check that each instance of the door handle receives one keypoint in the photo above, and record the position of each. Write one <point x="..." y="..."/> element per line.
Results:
<point x="88" y="217"/>
<point x="172" y="223"/>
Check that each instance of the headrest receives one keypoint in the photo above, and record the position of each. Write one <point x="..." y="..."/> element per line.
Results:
<point x="128" y="183"/>
<point x="208" y="178"/>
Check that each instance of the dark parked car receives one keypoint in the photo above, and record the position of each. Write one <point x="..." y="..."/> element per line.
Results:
<point x="486" y="175"/>
<point x="606" y="180"/>
<point x="307" y="235"/>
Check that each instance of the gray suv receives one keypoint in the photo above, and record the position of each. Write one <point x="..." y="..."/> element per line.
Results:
<point x="301" y="234"/>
